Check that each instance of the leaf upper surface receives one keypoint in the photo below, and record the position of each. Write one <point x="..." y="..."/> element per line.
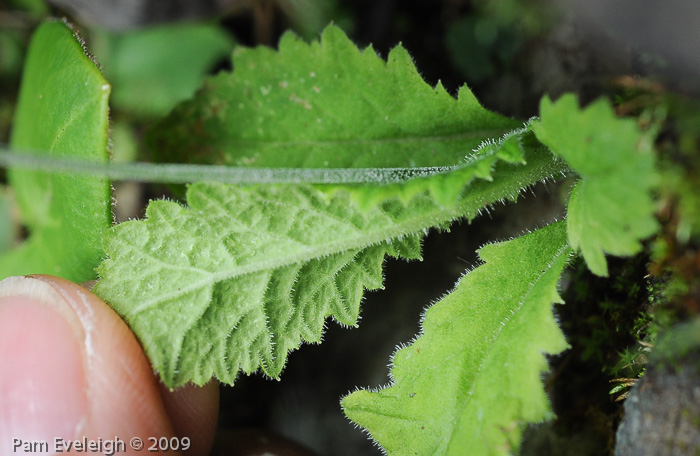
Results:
<point x="610" y="209"/>
<point x="62" y="112"/>
<point x="328" y="104"/>
<point x="471" y="380"/>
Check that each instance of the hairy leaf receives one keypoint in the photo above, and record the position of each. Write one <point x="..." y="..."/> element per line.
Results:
<point x="243" y="275"/>
<point x="62" y="112"/>
<point x="471" y="381"/>
<point x="329" y="105"/>
<point x="610" y="209"/>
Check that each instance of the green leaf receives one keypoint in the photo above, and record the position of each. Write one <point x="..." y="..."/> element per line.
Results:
<point x="610" y="209"/>
<point x="472" y="380"/>
<point x="155" y="68"/>
<point x="244" y="275"/>
<point x="329" y="105"/>
<point x="62" y="112"/>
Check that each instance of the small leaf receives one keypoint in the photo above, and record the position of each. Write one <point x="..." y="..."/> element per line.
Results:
<point x="610" y="209"/>
<point x="62" y="112"/>
<point x="472" y="380"/>
<point x="328" y="104"/>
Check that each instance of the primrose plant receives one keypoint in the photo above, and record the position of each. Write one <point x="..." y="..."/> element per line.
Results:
<point x="307" y="166"/>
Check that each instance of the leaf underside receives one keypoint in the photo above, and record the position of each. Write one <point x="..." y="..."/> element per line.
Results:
<point x="610" y="209"/>
<point x="245" y="274"/>
<point x="62" y="112"/>
<point x="471" y="381"/>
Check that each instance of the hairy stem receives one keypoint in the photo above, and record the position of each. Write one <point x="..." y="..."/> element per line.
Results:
<point x="175" y="173"/>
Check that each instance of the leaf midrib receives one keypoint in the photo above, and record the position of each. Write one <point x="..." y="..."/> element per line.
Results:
<point x="502" y="327"/>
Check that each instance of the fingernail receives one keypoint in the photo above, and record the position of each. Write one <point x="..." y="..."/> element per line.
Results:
<point x="43" y="387"/>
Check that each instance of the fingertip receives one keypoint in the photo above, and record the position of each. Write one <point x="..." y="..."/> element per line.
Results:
<point x="121" y="393"/>
<point x="43" y="388"/>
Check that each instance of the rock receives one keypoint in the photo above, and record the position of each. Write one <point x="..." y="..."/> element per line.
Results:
<point x="662" y="413"/>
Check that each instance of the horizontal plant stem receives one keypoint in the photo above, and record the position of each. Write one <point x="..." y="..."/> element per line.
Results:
<point x="175" y="173"/>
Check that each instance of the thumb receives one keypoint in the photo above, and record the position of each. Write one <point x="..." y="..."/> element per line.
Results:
<point x="72" y="369"/>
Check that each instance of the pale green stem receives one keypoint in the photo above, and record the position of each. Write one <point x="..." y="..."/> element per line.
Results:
<point x="172" y="173"/>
